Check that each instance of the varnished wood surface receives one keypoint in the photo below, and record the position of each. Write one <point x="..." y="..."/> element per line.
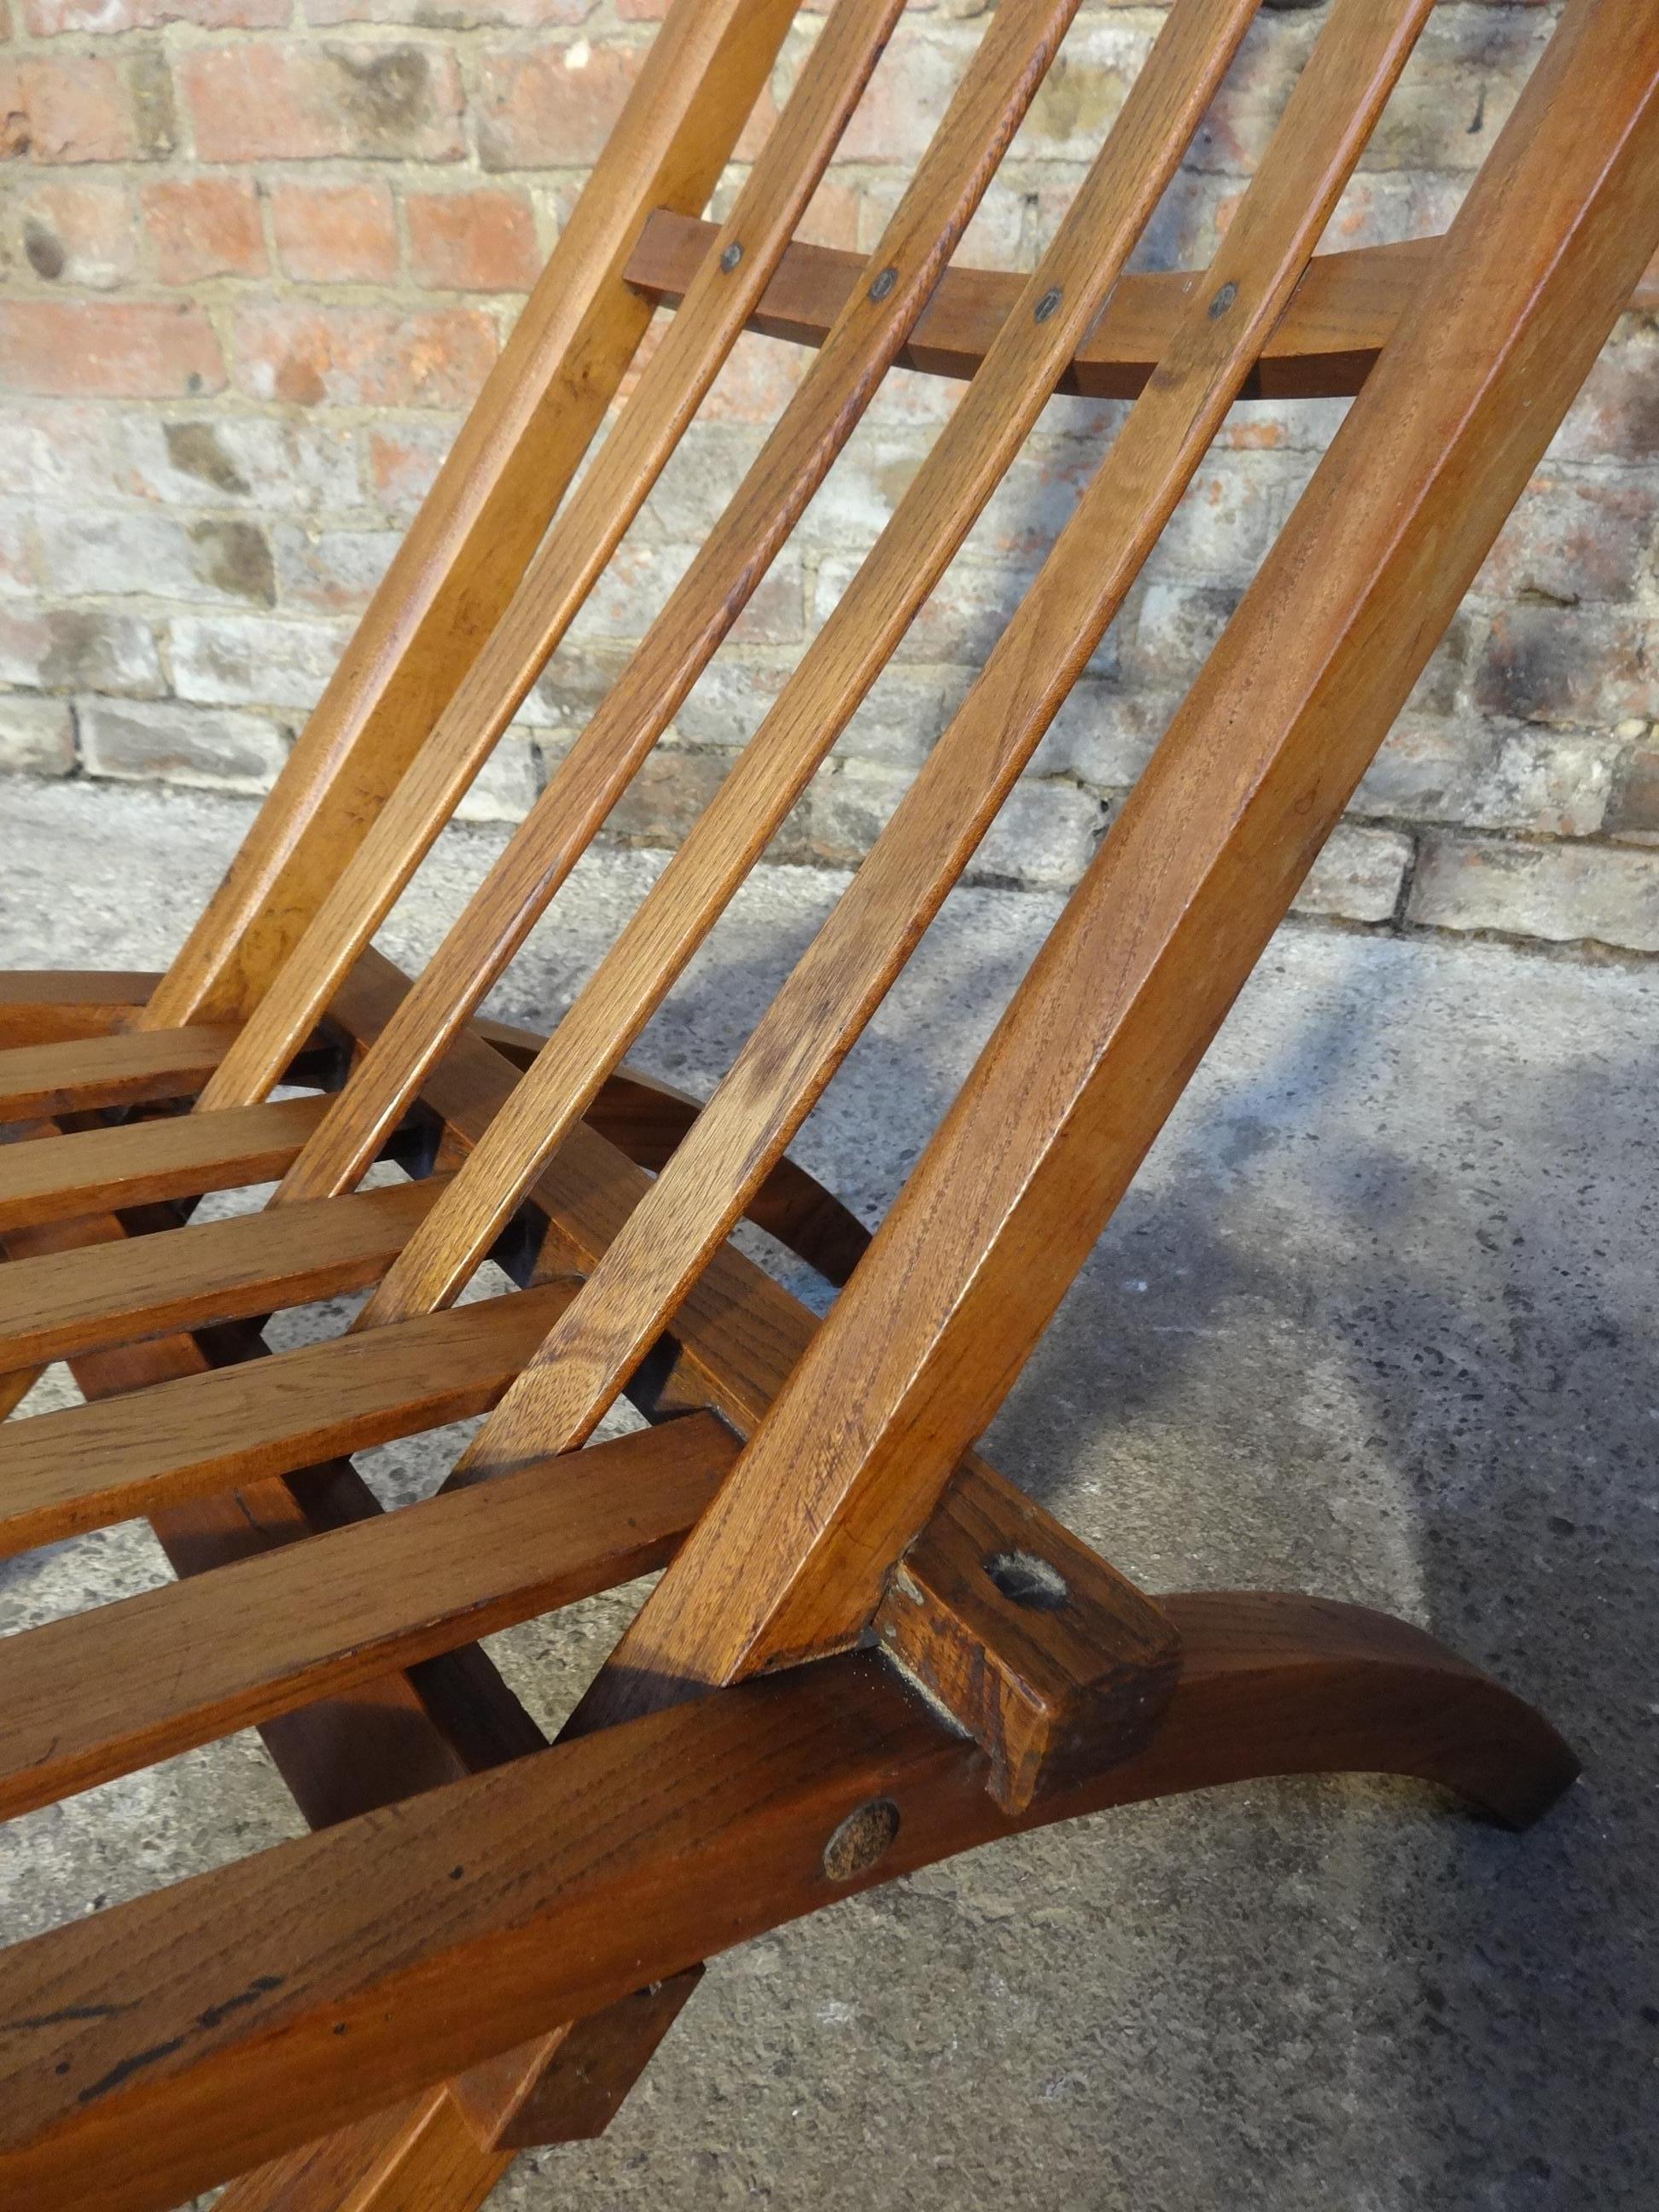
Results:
<point x="221" y="2020"/>
<point x="48" y="1005"/>
<point x="516" y="455"/>
<point x="93" y="1169"/>
<point x="962" y="469"/>
<point x="1337" y="321"/>
<point x="150" y="1449"/>
<point x="63" y="1302"/>
<point x="39" y="1081"/>
<point x="101" y="1692"/>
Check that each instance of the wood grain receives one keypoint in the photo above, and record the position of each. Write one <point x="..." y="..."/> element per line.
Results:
<point x="1335" y="324"/>
<point x="101" y="1692"/>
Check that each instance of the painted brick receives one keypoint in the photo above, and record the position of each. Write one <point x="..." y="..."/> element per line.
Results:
<point x="300" y="102"/>
<point x="72" y="232"/>
<point x="110" y="349"/>
<point x="250" y="660"/>
<point x="202" y="226"/>
<point x="250" y="462"/>
<point x="362" y="356"/>
<point x="333" y="571"/>
<point x="1562" y="665"/>
<point x="1358" y="876"/>
<point x="178" y="744"/>
<point x="1563" y="893"/>
<point x="79" y="649"/>
<point x="473" y="241"/>
<point x="401" y="460"/>
<point x="223" y="559"/>
<point x="36" y="736"/>
<point x="453" y="14"/>
<point x="335" y="233"/>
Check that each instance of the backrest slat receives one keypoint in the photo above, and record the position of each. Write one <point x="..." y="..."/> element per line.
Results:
<point x="583" y="536"/>
<point x="814" y="1019"/>
<point x="959" y="474"/>
<point x="492" y="500"/>
<point x="1255" y="771"/>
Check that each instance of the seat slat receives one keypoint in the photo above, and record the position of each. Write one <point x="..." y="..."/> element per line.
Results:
<point x="96" y="1695"/>
<point x="128" y="1068"/>
<point x="1323" y="345"/>
<point x="87" y="1466"/>
<point x="56" y="1178"/>
<point x="64" y="1302"/>
<point x="963" y="468"/>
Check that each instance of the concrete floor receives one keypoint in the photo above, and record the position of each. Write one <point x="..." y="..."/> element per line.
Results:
<point x="1379" y="1321"/>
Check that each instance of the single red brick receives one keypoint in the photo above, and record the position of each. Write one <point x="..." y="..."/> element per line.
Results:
<point x="460" y="15"/>
<point x="552" y="107"/>
<point x="108" y="350"/>
<point x="363" y="356"/>
<point x="204" y="226"/>
<point x="335" y="233"/>
<point x="80" y="233"/>
<point x="46" y="18"/>
<point x="75" y="109"/>
<point x="475" y="241"/>
<point x="302" y="102"/>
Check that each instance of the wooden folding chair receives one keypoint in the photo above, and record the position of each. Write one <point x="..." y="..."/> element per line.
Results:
<point x="867" y="1649"/>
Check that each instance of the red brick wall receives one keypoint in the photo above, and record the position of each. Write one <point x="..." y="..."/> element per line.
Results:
<point x="260" y="254"/>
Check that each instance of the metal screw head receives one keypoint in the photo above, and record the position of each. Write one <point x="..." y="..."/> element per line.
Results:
<point x="1047" y="305"/>
<point x="731" y="257"/>
<point x="1223" y="299"/>
<point x="884" y="285"/>
<point x="863" y="1837"/>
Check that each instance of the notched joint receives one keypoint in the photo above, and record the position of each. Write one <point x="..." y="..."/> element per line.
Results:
<point x="1025" y="1639"/>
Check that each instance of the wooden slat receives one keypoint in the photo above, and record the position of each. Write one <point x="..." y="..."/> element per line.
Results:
<point x="1196" y="873"/>
<point x="88" y="1698"/>
<point x="1335" y="324"/>
<point x="456" y="570"/>
<point x="990" y="101"/>
<point x="150" y="1449"/>
<point x="65" y="1303"/>
<point x="420" y="2156"/>
<point x="38" y="1082"/>
<point x="222" y="2020"/>
<point x="1164" y="109"/>
<point x="41" y="1005"/>
<point x="812" y="1022"/>
<point x="581" y="541"/>
<point x="55" y="1178"/>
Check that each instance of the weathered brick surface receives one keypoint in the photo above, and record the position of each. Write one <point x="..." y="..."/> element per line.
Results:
<point x="258" y="255"/>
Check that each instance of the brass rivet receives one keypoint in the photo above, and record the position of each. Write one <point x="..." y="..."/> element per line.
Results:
<point x="1223" y="299"/>
<point x="863" y="1837"/>
<point x="883" y="284"/>
<point x="731" y="257"/>
<point x="1048" y="304"/>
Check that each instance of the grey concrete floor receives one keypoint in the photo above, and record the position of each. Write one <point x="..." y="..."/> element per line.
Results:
<point x="1379" y="1321"/>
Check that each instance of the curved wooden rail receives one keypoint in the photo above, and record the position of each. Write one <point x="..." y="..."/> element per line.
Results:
<point x="1345" y="309"/>
<point x="352" y="1967"/>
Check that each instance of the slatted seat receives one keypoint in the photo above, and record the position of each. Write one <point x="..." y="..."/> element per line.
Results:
<point x="866" y="1649"/>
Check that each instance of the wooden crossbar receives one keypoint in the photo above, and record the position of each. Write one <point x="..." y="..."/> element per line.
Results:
<point x="1341" y="315"/>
